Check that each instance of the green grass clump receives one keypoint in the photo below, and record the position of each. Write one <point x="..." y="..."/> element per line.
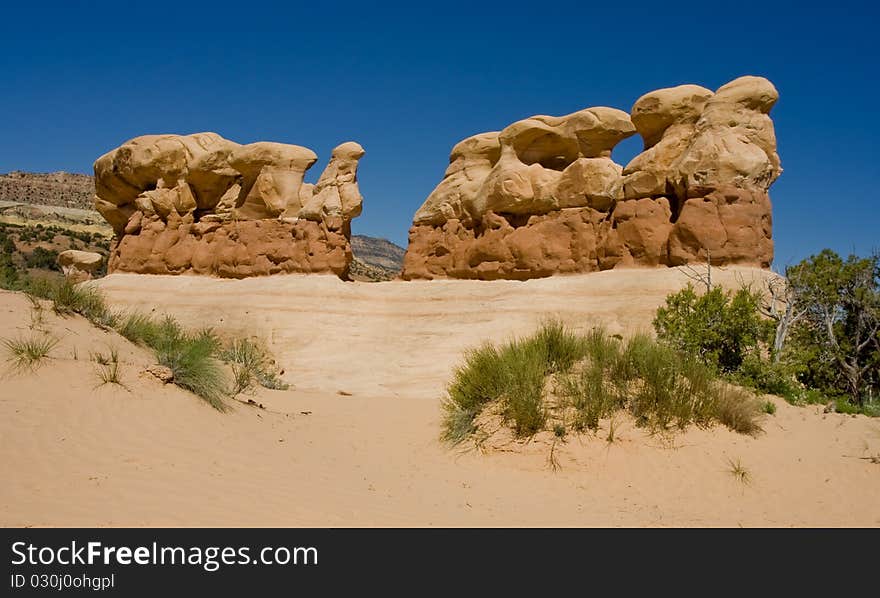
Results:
<point x="191" y="357"/>
<point x="69" y="298"/>
<point x="514" y="374"/>
<point x="108" y="367"/>
<point x="140" y="329"/>
<point x="595" y="376"/>
<point x="28" y="353"/>
<point x="251" y="366"/>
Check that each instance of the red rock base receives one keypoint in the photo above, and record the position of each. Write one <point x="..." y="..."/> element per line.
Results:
<point x="734" y="225"/>
<point x="235" y="249"/>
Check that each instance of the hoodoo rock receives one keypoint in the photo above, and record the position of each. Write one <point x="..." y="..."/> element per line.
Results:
<point x="80" y="265"/>
<point x="543" y="196"/>
<point x="202" y="204"/>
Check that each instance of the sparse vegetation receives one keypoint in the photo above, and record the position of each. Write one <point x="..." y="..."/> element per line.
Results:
<point x="41" y="257"/>
<point x="251" y="365"/>
<point x="739" y="471"/>
<point x="28" y="353"/>
<point x="30" y="251"/>
<point x="658" y="386"/>
<point x="191" y="357"/>
<point x="69" y="298"/>
<point x="108" y="367"/>
<point x="139" y="328"/>
<point x="592" y="377"/>
<point x="769" y="407"/>
<point x="810" y="337"/>
<point x="196" y="359"/>
<point x="37" y="313"/>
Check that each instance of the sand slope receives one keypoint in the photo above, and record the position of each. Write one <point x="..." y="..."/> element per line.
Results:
<point x="77" y="455"/>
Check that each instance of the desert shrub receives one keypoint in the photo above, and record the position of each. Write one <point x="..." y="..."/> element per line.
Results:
<point x="718" y="328"/>
<point x="837" y="341"/>
<point x="737" y="409"/>
<point x="251" y="365"/>
<point x="767" y="377"/>
<point x="478" y="381"/>
<point x="557" y="347"/>
<point x="525" y="365"/>
<point x="658" y="386"/>
<point x="191" y="357"/>
<point x="46" y="259"/>
<point x="513" y="374"/>
<point x="9" y="275"/>
<point x="28" y="353"/>
<point x="597" y="376"/>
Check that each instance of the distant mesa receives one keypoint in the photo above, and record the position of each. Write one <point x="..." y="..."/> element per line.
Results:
<point x="202" y="204"/>
<point x="543" y="196"/>
<point x="59" y="189"/>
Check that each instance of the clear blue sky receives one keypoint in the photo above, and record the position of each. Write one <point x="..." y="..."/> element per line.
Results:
<point x="409" y="80"/>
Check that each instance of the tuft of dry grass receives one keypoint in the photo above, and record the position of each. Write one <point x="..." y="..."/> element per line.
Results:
<point x="28" y="353"/>
<point x="738" y="470"/>
<point x="108" y="367"/>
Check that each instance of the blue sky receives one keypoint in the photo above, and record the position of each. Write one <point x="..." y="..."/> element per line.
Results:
<point x="409" y="80"/>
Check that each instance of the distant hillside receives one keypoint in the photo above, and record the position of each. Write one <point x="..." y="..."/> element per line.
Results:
<point x="375" y="259"/>
<point x="52" y="189"/>
<point x="379" y="252"/>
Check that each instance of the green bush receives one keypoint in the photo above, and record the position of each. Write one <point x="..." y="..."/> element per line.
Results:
<point x="9" y="275"/>
<point x="837" y="343"/>
<point x="46" y="259"/>
<point x="718" y="328"/>
<point x="767" y="377"/>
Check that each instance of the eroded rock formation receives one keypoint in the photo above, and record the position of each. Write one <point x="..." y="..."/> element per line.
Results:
<point x="544" y="197"/>
<point x="80" y="265"/>
<point x="205" y="205"/>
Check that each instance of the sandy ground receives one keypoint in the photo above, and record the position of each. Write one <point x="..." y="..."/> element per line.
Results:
<point x="77" y="454"/>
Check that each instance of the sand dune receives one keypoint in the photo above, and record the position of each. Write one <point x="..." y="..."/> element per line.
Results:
<point x="155" y="455"/>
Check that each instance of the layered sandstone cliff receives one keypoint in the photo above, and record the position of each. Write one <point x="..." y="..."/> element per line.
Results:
<point x="543" y="196"/>
<point x="205" y="205"/>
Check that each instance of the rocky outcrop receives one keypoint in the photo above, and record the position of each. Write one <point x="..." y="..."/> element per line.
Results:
<point x="202" y="204"/>
<point x="80" y="265"/>
<point x="59" y="189"/>
<point x="543" y="196"/>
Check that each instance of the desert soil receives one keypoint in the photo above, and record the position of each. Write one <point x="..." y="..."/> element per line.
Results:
<point x="354" y="442"/>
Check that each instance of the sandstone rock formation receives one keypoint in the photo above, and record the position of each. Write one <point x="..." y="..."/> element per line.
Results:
<point x="203" y="204"/>
<point x="544" y="197"/>
<point x="79" y="265"/>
